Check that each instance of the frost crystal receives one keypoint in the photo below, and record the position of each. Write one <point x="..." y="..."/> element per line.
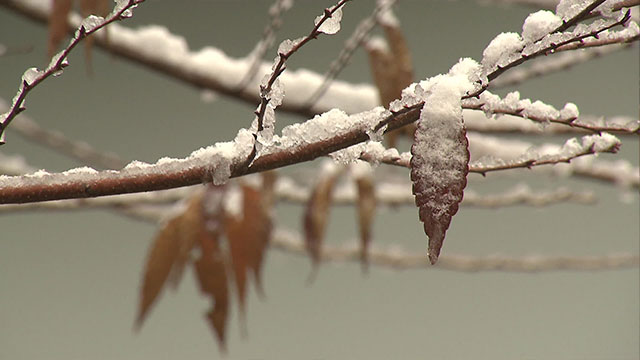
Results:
<point x="331" y="25"/>
<point x="539" y="24"/>
<point x="91" y="22"/>
<point x="567" y="9"/>
<point x="121" y="4"/>
<point x="286" y="46"/>
<point x="54" y="62"/>
<point x="31" y="75"/>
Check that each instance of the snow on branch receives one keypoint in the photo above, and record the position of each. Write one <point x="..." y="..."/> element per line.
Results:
<point x="543" y="113"/>
<point x="493" y="154"/>
<point x="32" y="76"/>
<point x="361" y="32"/>
<point x="395" y="258"/>
<point x="395" y="194"/>
<point x="272" y="91"/>
<point x="154" y="47"/>
<point x="544" y="33"/>
<point x="548" y="65"/>
<point x="501" y="123"/>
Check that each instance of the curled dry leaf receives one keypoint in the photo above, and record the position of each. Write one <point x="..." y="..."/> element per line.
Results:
<point x="317" y="214"/>
<point x="366" y="205"/>
<point x="168" y="255"/>
<point x="198" y="225"/>
<point x="248" y="235"/>
<point x="211" y="267"/>
<point x="439" y="165"/>
<point x="392" y="70"/>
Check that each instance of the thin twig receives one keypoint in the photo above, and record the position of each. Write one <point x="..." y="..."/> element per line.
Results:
<point x="268" y="37"/>
<point x="279" y="68"/>
<point x="546" y="66"/>
<point x="553" y="47"/>
<point x="58" y="63"/>
<point x="397" y="259"/>
<point x="350" y="46"/>
<point x="58" y="142"/>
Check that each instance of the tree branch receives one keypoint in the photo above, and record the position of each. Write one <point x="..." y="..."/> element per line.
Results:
<point x="400" y="260"/>
<point x="32" y="77"/>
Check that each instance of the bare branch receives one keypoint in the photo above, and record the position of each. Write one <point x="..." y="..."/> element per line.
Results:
<point x="290" y="242"/>
<point x="477" y="121"/>
<point x="32" y="77"/>
<point x="543" y="113"/>
<point x="210" y="68"/>
<point x="552" y="47"/>
<point x="350" y="46"/>
<point x="270" y="89"/>
<point x="57" y="141"/>
<point x="553" y="64"/>
<point x="276" y="10"/>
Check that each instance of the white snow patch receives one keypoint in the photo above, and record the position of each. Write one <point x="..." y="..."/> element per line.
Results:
<point x="502" y="50"/>
<point x="331" y="25"/>
<point x="539" y="24"/>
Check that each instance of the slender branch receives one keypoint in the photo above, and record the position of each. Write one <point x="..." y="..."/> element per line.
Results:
<point x="578" y="17"/>
<point x="351" y="45"/>
<point x="543" y="113"/>
<point x="546" y="66"/>
<point x="552" y="47"/>
<point x="220" y="74"/>
<point x="290" y="242"/>
<point x="268" y="36"/>
<point x="478" y="121"/>
<point x="58" y="142"/>
<point x="33" y="77"/>
<point x="285" y="51"/>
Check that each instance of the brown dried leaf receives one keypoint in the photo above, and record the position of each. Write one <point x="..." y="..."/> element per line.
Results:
<point x="57" y="24"/>
<point x="439" y="166"/>
<point x="248" y="237"/>
<point x="212" y="277"/>
<point x="316" y="216"/>
<point x="403" y="66"/>
<point x="392" y="70"/>
<point x="366" y="213"/>
<point x="167" y="255"/>
<point x="210" y="267"/>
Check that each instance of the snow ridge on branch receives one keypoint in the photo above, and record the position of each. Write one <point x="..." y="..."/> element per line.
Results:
<point x="32" y="76"/>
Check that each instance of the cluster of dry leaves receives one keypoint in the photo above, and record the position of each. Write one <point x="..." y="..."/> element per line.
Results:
<point x="225" y="239"/>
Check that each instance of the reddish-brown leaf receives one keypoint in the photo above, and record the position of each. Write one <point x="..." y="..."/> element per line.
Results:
<point x="210" y="267"/>
<point x="366" y="213"/>
<point x="392" y="70"/>
<point x="248" y="236"/>
<point x="168" y="253"/>
<point x="212" y="277"/>
<point x="316" y="216"/>
<point x="440" y="164"/>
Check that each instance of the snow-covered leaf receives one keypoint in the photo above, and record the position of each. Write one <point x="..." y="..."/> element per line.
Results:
<point x="439" y="165"/>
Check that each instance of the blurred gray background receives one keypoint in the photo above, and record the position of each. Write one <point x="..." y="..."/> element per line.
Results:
<point x="69" y="280"/>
